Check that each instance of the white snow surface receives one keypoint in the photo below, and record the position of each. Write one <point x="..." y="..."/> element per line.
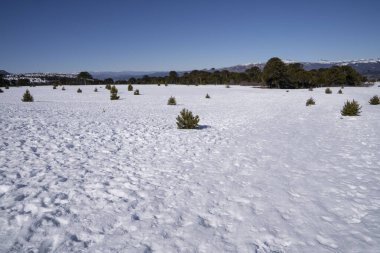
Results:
<point x="81" y="173"/>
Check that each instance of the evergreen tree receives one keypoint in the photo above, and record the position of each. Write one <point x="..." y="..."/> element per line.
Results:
<point x="63" y="88"/>
<point x="172" y="101"/>
<point x="186" y="120"/>
<point x="1" y="91"/>
<point x="54" y="86"/>
<point x="275" y="74"/>
<point x="79" y="90"/>
<point x="228" y="86"/>
<point x="375" y="100"/>
<point x="137" y="92"/>
<point x="27" y="97"/>
<point x="310" y="101"/>
<point x="328" y="91"/>
<point x="96" y="90"/>
<point x="340" y="91"/>
<point x="130" y="87"/>
<point x="351" y="108"/>
<point x="108" y="86"/>
<point x="208" y="96"/>
<point x="114" y="95"/>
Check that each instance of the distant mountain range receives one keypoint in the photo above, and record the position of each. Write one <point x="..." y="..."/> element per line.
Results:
<point x="367" y="67"/>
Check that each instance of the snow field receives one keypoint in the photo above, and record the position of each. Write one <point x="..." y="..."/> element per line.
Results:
<point x="79" y="172"/>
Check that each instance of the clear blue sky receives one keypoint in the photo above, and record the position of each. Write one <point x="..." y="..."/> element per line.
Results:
<point x="70" y="36"/>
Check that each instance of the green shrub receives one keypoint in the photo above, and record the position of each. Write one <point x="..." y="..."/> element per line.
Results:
<point x="340" y="92"/>
<point x="79" y="90"/>
<point x="7" y="87"/>
<point x="1" y="91"/>
<point x="310" y="101"/>
<point x="27" y="97"/>
<point x="137" y="92"/>
<point x="186" y="120"/>
<point x="130" y="87"/>
<point x="166" y="84"/>
<point x="208" y="96"/>
<point x="351" y="108"/>
<point x="63" y="88"/>
<point x="114" y="91"/>
<point x="172" y="101"/>
<point x="375" y="100"/>
<point x="54" y="86"/>
<point x="96" y="90"/>
<point x="108" y="86"/>
<point x="227" y="86"/>
<point x="158" y="84"/>
<point x="328" y="91"/>
<point x="311" y="89"/>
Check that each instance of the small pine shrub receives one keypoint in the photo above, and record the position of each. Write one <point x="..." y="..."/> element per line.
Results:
<point x="227" y="86"/>
<point x="328" y="91"/>
<point x="208" y="96"/>
<point x="340" y="92"/>
<point x="310" y="101"/>
<point x="63" y="88"/>
<point x="114" y="91"/>
<point x="287" y="90"/>
<point x="130" y="87"/>
<point x="172" y="101"/>
<point x="186" y="120"/>
<point x="311" y="89"/>
<point x="96" y="90"/>
<point x="54" y="87"/>
<point x="375" y="100"/>
<point x="351" y="108"/>
<point x="27" y="97"/>
<point x="1" y="91"/>
<point x="158" y="84"/>
<point x="7" y="87"/>
<point x="108" y="86"/>
<point x="79" y="90"/>
<point x="166" y="85"/>
<point x="137" y="92"/>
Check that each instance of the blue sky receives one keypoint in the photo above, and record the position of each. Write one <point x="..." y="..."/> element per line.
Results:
<point x="142" y="35"/>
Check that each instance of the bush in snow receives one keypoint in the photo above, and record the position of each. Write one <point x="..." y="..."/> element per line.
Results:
<point x="96" y="89"/>
<point x="172" y="101"/>
<point x="79" y="90"/>
<point x="63" y="88"/>
<point x="1" y="91"/>
<point x="108" y="86"/>
<point x="310" y="101"/>
<point x="351" y="108"/>
<point x="166" y="84"/>
<point x="227" y="86"/>
<point x="340" y="92"/>
<point x="311" y="89"/>
<point x="137" y="92"/>
<point x="186" y="120"/>
<point x="7" y="87"/>
<point x="130" y="87"/>
<point x="328" y="91"/>
<point x="114" y="95"/>
<point x="374" y="100"/>
<point x="207" y="95"/>
<point x="158" y="84"/>
<point x="54" y="86"/>
<point x="27" y="97"/>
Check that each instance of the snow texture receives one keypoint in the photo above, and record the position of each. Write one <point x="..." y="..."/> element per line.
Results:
<point x="81" y="173"/>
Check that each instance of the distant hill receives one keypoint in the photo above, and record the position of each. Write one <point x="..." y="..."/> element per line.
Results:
<point x="125" y="75"/>
<point x="3" y="73"/>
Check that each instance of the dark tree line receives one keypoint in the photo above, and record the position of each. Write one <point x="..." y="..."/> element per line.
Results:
<point x="276" y="74"/>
